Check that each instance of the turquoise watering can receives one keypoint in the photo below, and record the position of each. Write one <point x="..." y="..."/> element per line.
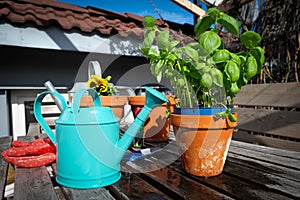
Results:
<point x="89" y="149"/>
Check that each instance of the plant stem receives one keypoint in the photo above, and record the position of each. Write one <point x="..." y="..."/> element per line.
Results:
<point x="188" y="96"/>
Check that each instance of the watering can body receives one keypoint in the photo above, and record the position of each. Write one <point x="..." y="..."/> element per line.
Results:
<point x="85" y="152"/>
<point x="89" y="149"/>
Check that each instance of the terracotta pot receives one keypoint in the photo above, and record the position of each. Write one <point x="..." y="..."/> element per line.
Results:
<point x="203" y="142"/>
<point x="115" y="102"/>
<point x="157" y="125"/>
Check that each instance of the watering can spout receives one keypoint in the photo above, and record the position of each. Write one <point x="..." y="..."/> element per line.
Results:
<point x="153" y="99"/>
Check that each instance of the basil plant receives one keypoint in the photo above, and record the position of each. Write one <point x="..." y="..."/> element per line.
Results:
<point x="202" y="72"/>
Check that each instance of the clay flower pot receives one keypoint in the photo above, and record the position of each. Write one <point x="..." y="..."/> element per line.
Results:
<point x="157" y="125"/>
<point x="115" y="102"/>
<point x="203" y="142"/>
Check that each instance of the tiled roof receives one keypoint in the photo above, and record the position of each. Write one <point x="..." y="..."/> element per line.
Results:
<point x="67" y="16"/>
<point x="52" y="13"/>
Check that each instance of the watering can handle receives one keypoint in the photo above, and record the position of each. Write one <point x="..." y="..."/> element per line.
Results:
<point x="38" y="114"/>
<point x="94" y="68"/>
<point x="78" y="95"/>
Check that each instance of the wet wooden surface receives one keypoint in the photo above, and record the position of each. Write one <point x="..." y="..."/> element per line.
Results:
<point x="250" y="172"/>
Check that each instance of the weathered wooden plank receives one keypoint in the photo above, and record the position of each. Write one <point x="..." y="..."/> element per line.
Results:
<point x="275" y="122"/>
<point x="77" y="194"/>
<point x="48" y="98"/>
<point x="280" y="157"/>
<point x="33" y="184"/>
<point x="59" y="193"/>
<point x="277" y="95"/>
<point x="34" y="129"/>
<point x="265" y="149"/>
<point x="82" y="194"/>
<point x="275" y="159"/>
<point x="5" y="143"/>
<point x="261" y="165"/>
<point x="50" y="120"/>
<point x="26" y="138"/>
<point x="50" y="109"/>
<point x="244" y="136"/>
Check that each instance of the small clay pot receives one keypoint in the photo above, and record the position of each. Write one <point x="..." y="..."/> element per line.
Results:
<point x="157" y="125"/>
<point x="115" y="102"/>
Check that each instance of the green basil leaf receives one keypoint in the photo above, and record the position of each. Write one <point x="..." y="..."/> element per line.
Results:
<point x="217" y="76"/>
<point x="172" y="44"/>
<point x="231" y="117"/>
<point x="250" y="39"/>
<point x="171" y="59"/>
<point x="169" y="73"/>
<point x="163" y="40"/>
<point x="190" y="52"/>
<point x="153" y="53"/>
<point x="157" y="67"/>
<point x="202" y="25"/>
<point x="229" y="23"/>
<point x="206" y="80"/>
<point x="210" y="41"/>
<point x="233" y="71"/>
<point x="145" y="50"/>
<point x="195" y="74"/>
<point x="194" y="45"/>
<point x="200" y="66"/>
<point x="243" y="59"/>
<point x="152" y="68"/>
<point x="148" y="38"/>
<point x="159" y="77"/>
<point x="149" y="22"/>
<point x="234" y="88"/>
<point x="250" y="67"/>
<point x="180" y="83"/>
<point x="220" y="56"/>
<point x="235" y="58"/>
<point x="258" y="54"/>
<point x="226" y="82"/>
<point x="213" y="12"/>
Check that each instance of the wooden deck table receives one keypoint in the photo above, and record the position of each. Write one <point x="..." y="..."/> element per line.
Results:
<point x="250" y="172"/>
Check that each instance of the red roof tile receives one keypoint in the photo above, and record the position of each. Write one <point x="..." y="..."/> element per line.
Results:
<point x="46" y="13"/>
<point x="67" y="16"/>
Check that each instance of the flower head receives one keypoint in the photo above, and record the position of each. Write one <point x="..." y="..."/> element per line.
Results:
<point x="101" y="85"/>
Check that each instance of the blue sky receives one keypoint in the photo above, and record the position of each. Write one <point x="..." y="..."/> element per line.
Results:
<point x="168" y="10"/>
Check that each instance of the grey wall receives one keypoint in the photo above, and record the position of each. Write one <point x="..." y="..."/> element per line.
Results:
<point x="30" y="67"/>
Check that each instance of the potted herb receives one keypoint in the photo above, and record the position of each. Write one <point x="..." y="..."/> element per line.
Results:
<point x="205" y="77"/>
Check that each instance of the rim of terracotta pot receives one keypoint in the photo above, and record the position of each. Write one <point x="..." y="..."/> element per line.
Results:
<point x="140" y="100"/>
<point x="114" y="100"/>
<point x="202" y="122"/>
<point x="105" y="100"/>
